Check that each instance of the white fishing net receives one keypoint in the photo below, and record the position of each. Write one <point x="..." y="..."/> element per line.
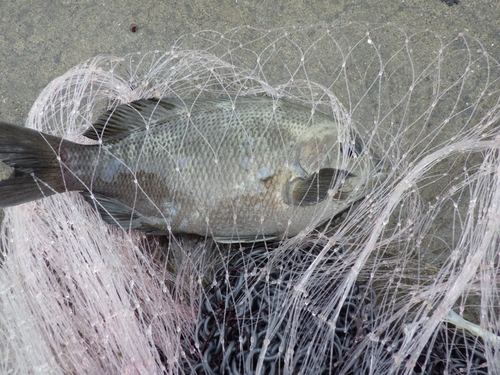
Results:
<point x="404" y="282"/>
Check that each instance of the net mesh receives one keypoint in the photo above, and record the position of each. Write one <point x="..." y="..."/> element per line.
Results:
<point x="405" y="281"/>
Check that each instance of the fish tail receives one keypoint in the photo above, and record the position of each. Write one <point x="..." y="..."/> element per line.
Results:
<point x="35" y="157"/>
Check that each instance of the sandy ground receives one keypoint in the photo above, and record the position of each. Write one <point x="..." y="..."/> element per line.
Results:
<point x="42" y="40"/>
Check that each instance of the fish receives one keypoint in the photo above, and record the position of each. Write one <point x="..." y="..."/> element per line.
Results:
<point x="240" y="169"/>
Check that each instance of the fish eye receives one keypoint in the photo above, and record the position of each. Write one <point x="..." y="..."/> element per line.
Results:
<point x="352" y="149"/>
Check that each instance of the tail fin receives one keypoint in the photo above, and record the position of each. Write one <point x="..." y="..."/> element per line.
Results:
<point x="34" y="157"/>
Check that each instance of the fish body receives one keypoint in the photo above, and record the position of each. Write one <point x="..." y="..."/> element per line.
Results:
<point x="234" y="169"/>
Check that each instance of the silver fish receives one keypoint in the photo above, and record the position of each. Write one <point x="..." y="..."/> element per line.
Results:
<point x="237" y="170"/>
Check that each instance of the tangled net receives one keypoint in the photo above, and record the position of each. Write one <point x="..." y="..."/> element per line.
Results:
<point x="239" y="312"/>
<point x="249" y="301"/>
<point x="404" y="282"/>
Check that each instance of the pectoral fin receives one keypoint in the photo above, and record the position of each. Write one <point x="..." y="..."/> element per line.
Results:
<point x="316" y="187"/>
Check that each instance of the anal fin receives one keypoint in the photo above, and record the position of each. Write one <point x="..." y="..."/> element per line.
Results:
<point x="245" y="239"/>
<point x="116" y="213"/>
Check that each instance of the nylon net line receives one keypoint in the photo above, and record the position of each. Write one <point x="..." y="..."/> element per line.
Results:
<point x="404" y="281"/>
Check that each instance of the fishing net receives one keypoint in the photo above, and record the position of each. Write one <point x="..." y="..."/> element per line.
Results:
<point x="404" y="281"/>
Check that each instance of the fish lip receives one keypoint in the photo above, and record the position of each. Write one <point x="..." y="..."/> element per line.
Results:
<point x="378" y="175"/>
<point x="380" y="168"/>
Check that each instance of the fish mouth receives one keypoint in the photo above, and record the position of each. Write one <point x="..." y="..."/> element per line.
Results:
<point x="379" y="172"/>
<point x="380" y="169"/>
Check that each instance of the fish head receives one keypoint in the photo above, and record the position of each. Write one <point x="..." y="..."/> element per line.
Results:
<point x="331" y="162"/>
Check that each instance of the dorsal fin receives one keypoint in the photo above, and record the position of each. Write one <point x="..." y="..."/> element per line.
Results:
<point x="123" y="120"/>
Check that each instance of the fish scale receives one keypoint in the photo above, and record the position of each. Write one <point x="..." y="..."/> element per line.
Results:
<point x="241" y="169"/>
